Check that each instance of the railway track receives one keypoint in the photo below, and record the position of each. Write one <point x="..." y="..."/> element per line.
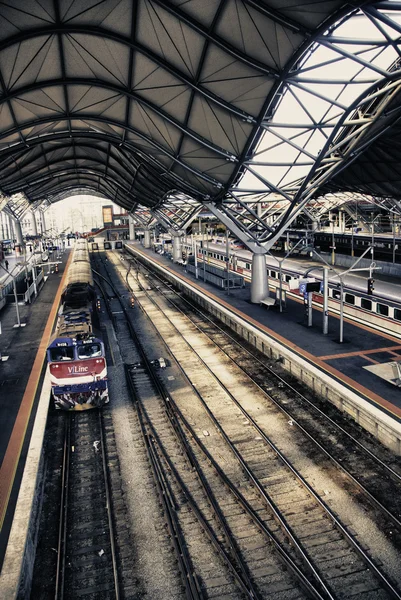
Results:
<point x="328" y="563"/>
<point x="86" y="551"/>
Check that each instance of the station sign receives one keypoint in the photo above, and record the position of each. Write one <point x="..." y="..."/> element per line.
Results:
<point x="307" y="285"/>
<point x="300" y="284"/>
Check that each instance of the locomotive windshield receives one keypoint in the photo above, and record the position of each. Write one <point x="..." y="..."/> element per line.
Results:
<point x="89" y="350"/>
<point x="59" y="354"/>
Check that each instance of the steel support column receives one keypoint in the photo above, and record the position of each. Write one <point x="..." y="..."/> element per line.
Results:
<point x="325" y="300"/>
<point x="146" y="239"/>
<point x="34" y="224"/>
<point x="42" y="222"/>
<point x="131" y="225"/>
<point x="177" y="252"/>
<point x="18" y="232"/>
<point x="259" y="283"/>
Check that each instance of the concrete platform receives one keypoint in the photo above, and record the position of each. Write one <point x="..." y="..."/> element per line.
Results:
<point x="21" y="378"/>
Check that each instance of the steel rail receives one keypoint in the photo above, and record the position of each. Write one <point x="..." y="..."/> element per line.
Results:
<point x="185" y="567"/>
<point x="109" y="506"/>
<point x="62" y="534"/>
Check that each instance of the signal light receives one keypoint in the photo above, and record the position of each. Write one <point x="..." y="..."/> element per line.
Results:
<point x="370" y="286"/>
<point x="132" y="301"/>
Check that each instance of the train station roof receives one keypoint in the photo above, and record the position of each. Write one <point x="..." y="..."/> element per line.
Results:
<point x="222" y="101"/>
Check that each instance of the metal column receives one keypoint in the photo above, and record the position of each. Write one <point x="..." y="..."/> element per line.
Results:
<point x="146" y="240"/>
<point x="34" y="224"/>
<point x="177" y="253"/>
<point x="259" y="283"/>
<point x="131" y="226"/>
<point x="310" y="309"/>
<point x="42" y="222"/>
<point x="18" y="233"/>
<point x="325" y="300"/>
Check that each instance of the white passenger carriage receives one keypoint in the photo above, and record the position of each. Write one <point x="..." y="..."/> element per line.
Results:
<point x="380" y="311"/>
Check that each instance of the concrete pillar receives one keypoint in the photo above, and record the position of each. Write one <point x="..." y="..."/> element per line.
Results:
<point x="3" y="228"/>
<point x="146" y="239"/>
<point x="34" y="224"/>
<point x="259" y="283"/>
<point x="10" y="228"/>
<point x="177" y="252"/>
<point x="7" y="227"/>
<point x="131" y="226"/>
<point x="18" y="232"/>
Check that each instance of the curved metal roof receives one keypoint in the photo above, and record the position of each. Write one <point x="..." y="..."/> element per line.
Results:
<point x="136" y="100"/>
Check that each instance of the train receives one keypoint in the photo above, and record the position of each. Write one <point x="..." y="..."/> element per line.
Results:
<point x="76" y="354"/>
<point x="386" y="247"/>
<point x="378" y="308"/>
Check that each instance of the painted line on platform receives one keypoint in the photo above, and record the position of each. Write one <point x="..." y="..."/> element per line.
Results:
<point x="372" y="360"/>
<point x="16" y="441"/>
<point x="359" y="353"/>
<point x="351" y="383"/>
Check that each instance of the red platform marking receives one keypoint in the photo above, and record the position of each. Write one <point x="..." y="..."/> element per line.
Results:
<point x="360" y="353"/>
<point x="13" y="452"/>
<point x="372" y="360"/>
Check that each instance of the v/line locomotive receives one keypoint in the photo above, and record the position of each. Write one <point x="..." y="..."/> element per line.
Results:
<point x="76" y="354"/>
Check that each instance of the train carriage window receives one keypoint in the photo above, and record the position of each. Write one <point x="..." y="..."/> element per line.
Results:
<point x="59" y="354"/>
<point x="336" y="294"/>
<point x="288" y="278"/>
<point x="382" y="309"/>
<point x="89" y="350"/>
<point x="349" y="299"/>
<point x="273" y="274"/>
<point x="366" y="304"/>
<point x="397" y="314"/>
<point x="247" y="266"/>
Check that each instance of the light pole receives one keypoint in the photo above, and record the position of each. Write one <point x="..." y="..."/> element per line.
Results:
<point x="393" y="232"/>
<point x="333" y="247"/>
<point x="228" y="262"/>
<point x="373" y="235"/>
<point x="195" y="252"/>
<point x="352" y="238"/>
